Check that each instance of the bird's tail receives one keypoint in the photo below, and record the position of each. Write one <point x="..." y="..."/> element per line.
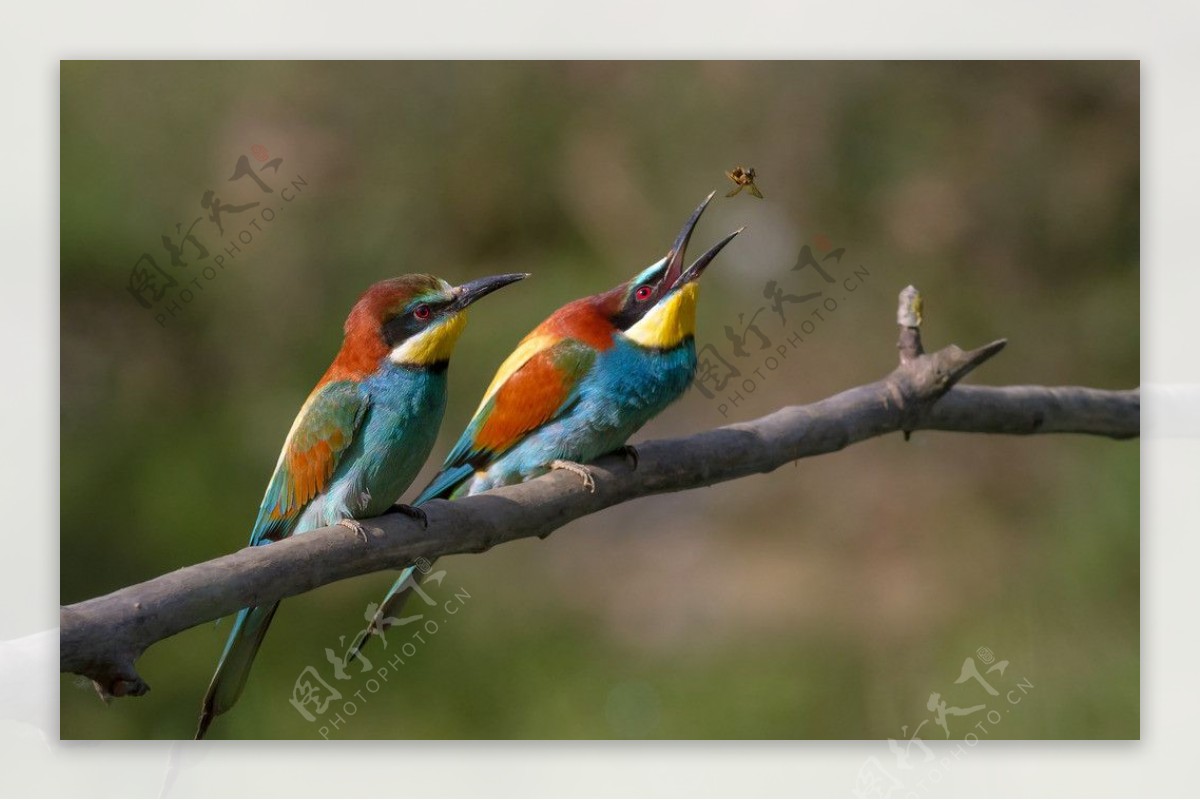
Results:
<point x="390" y="608"/>
<point x="447" y="484"/>
<point x="249" y="628"/>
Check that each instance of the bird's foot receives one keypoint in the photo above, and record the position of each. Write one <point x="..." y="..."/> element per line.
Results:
<point x="415" y="512"/>
<point x="629" y="453"/>
<point x="359" y="529"/>
<point x="583" y="472"/>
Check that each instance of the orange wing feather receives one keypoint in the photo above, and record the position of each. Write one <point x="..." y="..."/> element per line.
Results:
<point x="323" y="430"/>
<point x="529" y="397"/>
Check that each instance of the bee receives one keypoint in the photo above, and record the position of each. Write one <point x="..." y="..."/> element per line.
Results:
<point x="743" y="177"/>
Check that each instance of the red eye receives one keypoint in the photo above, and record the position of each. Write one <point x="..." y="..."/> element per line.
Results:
<point x="643" y="293"/>
<point x="421" y="312"/>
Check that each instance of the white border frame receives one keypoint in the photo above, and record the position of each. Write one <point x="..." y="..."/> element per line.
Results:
<point x="1162" y="35"/>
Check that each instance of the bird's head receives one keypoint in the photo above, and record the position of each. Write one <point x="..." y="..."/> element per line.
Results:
<point x="657" y="307"/>
<point x="412" y="320"/>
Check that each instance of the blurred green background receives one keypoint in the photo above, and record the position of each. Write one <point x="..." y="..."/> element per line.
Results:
<point x="826" y="600"/>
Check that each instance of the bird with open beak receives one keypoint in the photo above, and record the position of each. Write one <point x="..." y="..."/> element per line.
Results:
<point x="578" y="386"/>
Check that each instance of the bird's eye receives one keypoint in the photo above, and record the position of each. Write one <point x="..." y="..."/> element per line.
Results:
<point x="422" y="312"/>
<point x="643" y="293"/>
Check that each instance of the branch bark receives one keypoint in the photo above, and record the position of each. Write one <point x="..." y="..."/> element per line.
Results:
<point x="102" y="638"/>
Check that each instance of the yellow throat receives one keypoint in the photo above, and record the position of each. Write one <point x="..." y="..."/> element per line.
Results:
<point x="670" y="322"/>
<point x="433" y="345"/>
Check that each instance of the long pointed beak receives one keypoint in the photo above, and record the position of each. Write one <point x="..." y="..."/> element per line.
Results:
<point x="697" y="267"/>
<point x="679" y="249"/>
<point x="471" y="291"/>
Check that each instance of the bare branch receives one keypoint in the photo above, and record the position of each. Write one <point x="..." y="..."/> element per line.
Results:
<point x="102" y="638"/>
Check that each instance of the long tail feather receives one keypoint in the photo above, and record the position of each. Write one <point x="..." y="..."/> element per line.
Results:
<point x="393" y="603"/>
<point x="445" y="485"/>
<point x="249" y="628"/>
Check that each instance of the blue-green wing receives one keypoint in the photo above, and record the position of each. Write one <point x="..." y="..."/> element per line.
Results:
<point x="324" y="428"/>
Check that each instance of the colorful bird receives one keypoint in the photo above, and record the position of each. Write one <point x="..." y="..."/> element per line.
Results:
<point x="577" y="387"/>
<point x="360" y="438"/>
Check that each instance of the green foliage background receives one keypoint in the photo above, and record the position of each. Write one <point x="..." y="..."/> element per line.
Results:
<point x="826" y="600"/>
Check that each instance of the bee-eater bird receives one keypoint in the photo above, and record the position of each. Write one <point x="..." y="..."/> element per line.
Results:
<point x="361" y="436"/>
<point x="577" y="387"/>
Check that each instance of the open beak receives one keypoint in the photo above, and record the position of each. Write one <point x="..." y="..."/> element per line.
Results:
<point x="471" y="291"/>
<point x="697" y="267"/>
<point x="676" y="275"/>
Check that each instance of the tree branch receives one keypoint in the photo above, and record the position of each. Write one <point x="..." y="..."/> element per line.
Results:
<point x="102" y="638"/>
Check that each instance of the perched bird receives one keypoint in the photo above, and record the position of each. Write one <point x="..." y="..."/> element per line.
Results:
<point x="577" y="387"/>
<point x="360" y="438"/>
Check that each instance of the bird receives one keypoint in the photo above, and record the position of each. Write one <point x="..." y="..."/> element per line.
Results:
<point x="360" y="438"/>
<point x="575" y="388"/>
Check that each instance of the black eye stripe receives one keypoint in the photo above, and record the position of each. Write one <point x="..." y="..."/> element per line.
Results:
<point x="634" y="307"/>
<point x="406" y="323"/>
